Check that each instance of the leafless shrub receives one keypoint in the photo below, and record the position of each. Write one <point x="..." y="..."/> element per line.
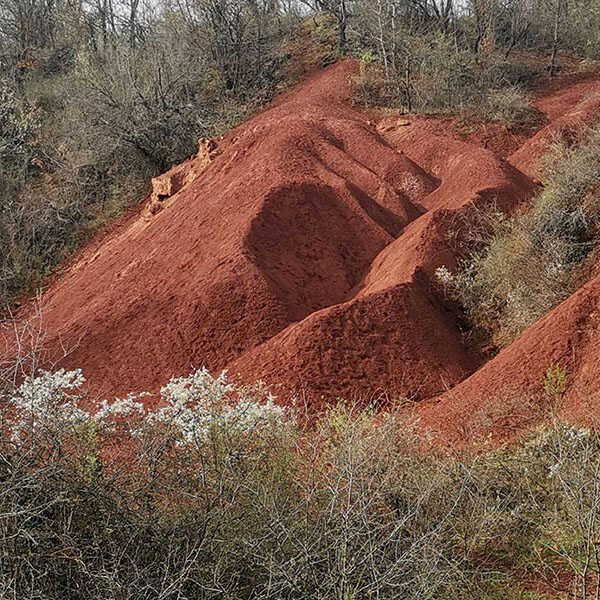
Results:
<point x="508" y="105"/>
<point x="435" y="76"/>
<point x="351" y="507"/>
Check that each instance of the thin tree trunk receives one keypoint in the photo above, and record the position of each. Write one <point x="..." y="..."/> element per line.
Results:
<point x="555" y="41"/>
<point x="133" y="22"/>
<point x="407" y="84"/>
<point x="394" y="50"/>
<point x="342" y="25"/>
<point x="382" y="41"/>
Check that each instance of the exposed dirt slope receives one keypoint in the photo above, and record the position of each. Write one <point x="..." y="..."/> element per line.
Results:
<point x="508" y="392"/>
<point x="568" y="111"/>
<point x="299" y="249"/>
<point x="280" y="221"/>
<point x="391" y="334"/>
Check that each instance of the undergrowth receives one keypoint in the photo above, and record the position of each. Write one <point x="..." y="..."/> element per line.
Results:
<point x="223" y="494"/>
<point x="437" y="77"/>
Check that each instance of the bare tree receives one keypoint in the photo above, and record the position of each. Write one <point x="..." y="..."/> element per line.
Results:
<point x="444" y="12"/>
<point x="520" y="14"/>
<point x="486" y="15"/>
<point x="27" y="25"/>
<point x="558" y="8"/>
<point x="340" y="9"/>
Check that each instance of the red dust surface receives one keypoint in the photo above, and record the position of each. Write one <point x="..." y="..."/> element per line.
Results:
<point x="300" y="249"/>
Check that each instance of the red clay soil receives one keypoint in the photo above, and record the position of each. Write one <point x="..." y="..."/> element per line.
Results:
<point x="300" y="249"/>
<point x="507" y="393"/>
<point x="568" y="111"/>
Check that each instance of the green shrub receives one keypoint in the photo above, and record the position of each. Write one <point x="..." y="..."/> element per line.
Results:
<point x="534" y="261"/>
<point x="44" y="220"/>
<point x="555" y="381"/>
<point x="369" y="87"/>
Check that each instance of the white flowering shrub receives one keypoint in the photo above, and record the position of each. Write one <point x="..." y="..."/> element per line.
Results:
<point x="200" y="405"/>
<point x="444" y="276"/>
<point x="554" y="486"/>
<point x="47" y="403"/>
<point x="193" y="408"/>
<point x="123" y="407"/>
<point x="244" y="503"/>
<point x="560" y="448"/>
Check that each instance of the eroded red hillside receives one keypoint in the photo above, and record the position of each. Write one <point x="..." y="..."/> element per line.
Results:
<point x="300" y="250"/>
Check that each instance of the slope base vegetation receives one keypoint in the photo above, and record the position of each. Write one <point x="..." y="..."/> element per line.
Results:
<point x="208" y="499"/>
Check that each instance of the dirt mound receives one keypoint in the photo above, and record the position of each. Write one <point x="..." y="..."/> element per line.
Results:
<point x="392" y="334"/>
<point x="508" y="393"/>
<point x="396" y="342"/>
<point x="300" y="249"/>
<point x="283" y="218"/>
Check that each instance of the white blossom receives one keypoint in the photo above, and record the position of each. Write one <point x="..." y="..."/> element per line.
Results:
<point x="553" y="470"/>
<point x="120" y="408"/>
<point x="43" y="402"/>
<point x="576" y="434"/>
<point x="200" y="404"/>
<point x="444" y="276"/>
<point x="194" y="407"/>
